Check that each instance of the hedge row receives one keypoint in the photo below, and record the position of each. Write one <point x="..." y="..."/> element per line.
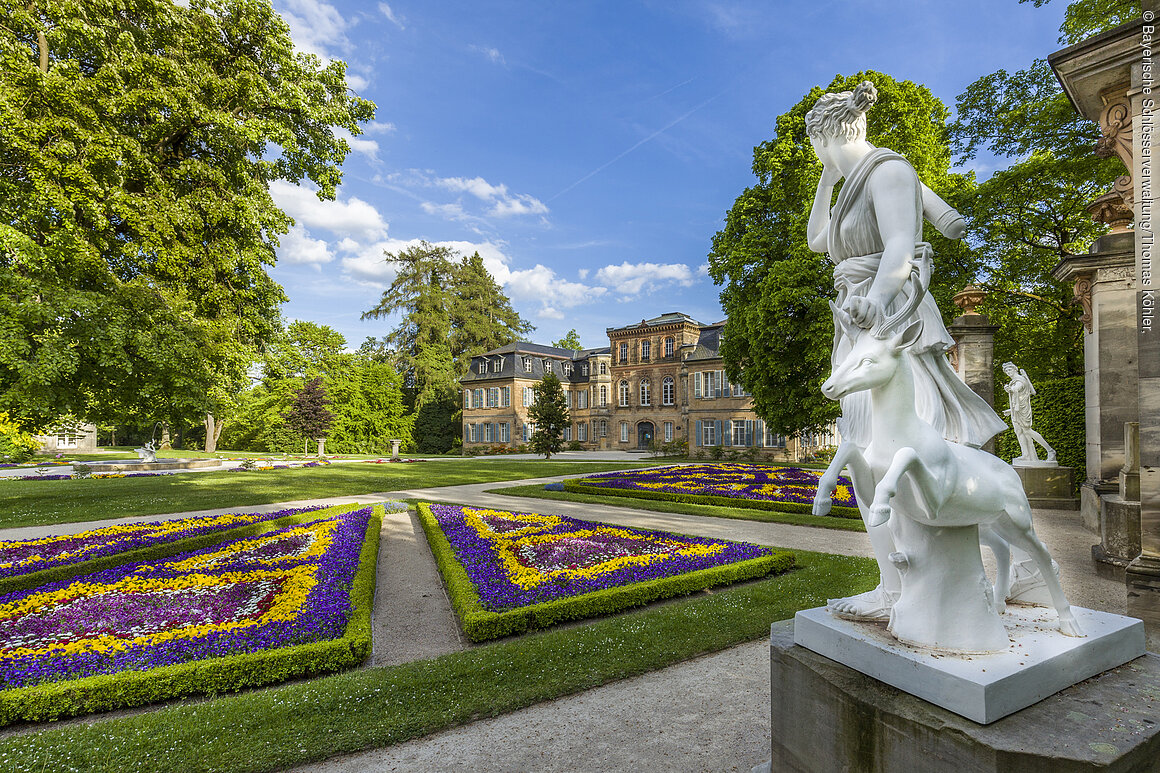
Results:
<point x="1057" y="410"/>
<point x="160" y="551"/>
<point x="480" y="624"/>
<point x="125" y="689"/>
<point x="837" y="511"/>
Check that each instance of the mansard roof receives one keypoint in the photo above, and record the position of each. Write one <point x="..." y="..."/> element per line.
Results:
<point x="668" y="318"/>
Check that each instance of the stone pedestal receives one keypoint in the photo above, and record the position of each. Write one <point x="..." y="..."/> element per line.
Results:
<point x="828" y="717"/>
<point x="395" y="448"/>
<point x="974" y="354"/>
<point x="1048" y="487"/>
<point x="1143" y="580"/>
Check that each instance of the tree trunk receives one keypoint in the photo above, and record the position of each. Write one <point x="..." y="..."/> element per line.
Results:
<point x="213" y="431"/>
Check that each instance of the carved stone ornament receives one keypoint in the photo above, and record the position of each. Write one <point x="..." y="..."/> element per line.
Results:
<point x="1116" y="140"/>
<point x="1083" y="296"/>
<point x="1111" y="209"/>
<point x="970" y="298"/>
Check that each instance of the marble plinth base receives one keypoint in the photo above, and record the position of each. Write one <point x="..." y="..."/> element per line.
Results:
<point x="828" y="717"/>
<point x="1048" y="485"/>
<point x="1039" y="662"/>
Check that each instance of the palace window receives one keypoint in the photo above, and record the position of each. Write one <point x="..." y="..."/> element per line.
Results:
<point x="668" y="432"/>
<point x="582" y="432"/>
<point x="489" y="433"/>
<point x="496" y="366"/>
<point x="645" y="349"/>
<point x="603" y="395"/>
<point x="472" y="433"/>
<point x="493" y="397"/>
<point x="708" y="433"/>
<point x="529" y="430"/>
<point x="582" y="399"/>
<point x="604" y="428"/>
<point x="483" y="366"/>
<point x="584" y="369"/>
<point x="742" y="432"/>
<point x="645" y="392"/>
<point x="604" y="369"/>
<point x="623" y="351"/>
<point x="624" y="432"/>
<point x="669" y="346"/>
<point x="506" y="396"/>
<point x="567" y="368"/>
<point x="478" y="401"/>
<point x="623" y="394"/>
<point x="527" y="364"/>
<point x="505" y="432"/>
<point x="667" y="390"/>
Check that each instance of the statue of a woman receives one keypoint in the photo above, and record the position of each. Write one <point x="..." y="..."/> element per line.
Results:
<point x="874" y="237"/>
<point x="1019" y="391"/>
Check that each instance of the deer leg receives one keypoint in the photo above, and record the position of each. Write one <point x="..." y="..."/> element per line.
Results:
<point x="829" y="481"/>
<point x="1025" y="538"/>
<point x="905" y="459"/>
<point x="1002" y="551"/>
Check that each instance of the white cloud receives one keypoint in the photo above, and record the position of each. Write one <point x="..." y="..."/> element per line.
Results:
<point x="298" y="248"/>
<point x="316" y="27"/>
<point x="352" y="216"/>
<point x="453" y="211"/>
<point x="493" y="54"/>
<point x="503" y="203"/>
<point x="583" y="273"/>
<point x="392" y="17"/>
<point x="356" y="82"/>
<point x="633" y="278"/>
<point x="360" y="144"/>
<point x="547" y="312"/>
<point x="542" y="284"/>
<point x="377" y="127"/>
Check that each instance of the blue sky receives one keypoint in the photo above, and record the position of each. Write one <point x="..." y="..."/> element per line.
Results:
<point x="589" y="150"/>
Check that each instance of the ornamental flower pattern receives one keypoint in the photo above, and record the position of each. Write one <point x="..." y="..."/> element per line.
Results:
<point x="739" y="481"/>
<point x="32" y="555"/>
<point x="519" y="559"/>
<point x="288" y="587"/>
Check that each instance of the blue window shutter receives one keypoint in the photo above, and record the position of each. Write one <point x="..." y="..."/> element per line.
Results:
<point x="760" y="434"/>
<point x="697" y="439"/>
<point x="717" y="431"/>
<point x="727" y="438"/>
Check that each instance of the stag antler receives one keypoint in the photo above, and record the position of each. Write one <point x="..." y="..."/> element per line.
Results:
<point x="917" y="282"/>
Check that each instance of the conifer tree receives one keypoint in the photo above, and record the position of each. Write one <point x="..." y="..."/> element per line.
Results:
<point x="550" y="413"/>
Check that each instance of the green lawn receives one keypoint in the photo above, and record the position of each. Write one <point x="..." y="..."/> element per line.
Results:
<point x="28" y="503"/>
<point x="741" y="513"/>
<point x="308" y="721"/>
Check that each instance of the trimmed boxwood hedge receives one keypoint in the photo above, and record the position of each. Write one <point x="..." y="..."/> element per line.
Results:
<point x="481" y="624"/>
<point x="1057" y="410"/>
<point x="211" y="676"/>
<point x="837" y="511"/>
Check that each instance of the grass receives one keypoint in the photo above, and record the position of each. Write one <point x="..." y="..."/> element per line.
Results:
<point x="310" y="721"/>
<point x="715" y="511"/>
<point x="29" y="503"/>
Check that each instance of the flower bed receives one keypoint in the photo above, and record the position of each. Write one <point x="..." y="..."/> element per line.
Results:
<point x="509" y="572"/>
<point x="292" y="601"/>
<point x="788" y="489"/>
<point x="26" y="557"/>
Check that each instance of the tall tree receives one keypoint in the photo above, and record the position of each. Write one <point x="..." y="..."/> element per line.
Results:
<point x="139" y="139"/>
<point x="308" y="415"/>
<point x="570" y="341"/>
<point x="482" y="317"/>
<point x="779" y="332"/>
<point x="1025" y="218"/>
<point x="550" y="413"/>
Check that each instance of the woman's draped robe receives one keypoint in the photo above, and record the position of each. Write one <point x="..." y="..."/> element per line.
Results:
<point x="941" y="398"/>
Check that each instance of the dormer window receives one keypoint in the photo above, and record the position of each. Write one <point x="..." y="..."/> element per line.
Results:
<point x="547" y="366"/>
<point x="496" y="365"/>
<point x="483" y="366"/>
<point x="567" y="368"/>
<point x="584" y="370"/>
<point x="527" y="364"/>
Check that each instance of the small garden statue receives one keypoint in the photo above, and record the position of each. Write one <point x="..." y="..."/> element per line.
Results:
<point x="147" y="453"/>
<point x="1019" y="392"/>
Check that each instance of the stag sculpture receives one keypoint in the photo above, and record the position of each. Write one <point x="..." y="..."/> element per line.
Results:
<point x="943" y="491"/>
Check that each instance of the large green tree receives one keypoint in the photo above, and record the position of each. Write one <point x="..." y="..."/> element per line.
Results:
<point x="138" y="140"/>
<point x="482" y="317"/>
<point x="549" y="411"/>
<point x="1023" y="219"/>
<point x="779" y="332"/>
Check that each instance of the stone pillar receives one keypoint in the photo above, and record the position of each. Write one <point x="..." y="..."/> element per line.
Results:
<point x="973" y="355"/>
<point x="1105" y="290"/>
<point x="395" y="443"/>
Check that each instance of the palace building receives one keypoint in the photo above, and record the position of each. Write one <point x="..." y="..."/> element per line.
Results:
<point x="658" y="381"/>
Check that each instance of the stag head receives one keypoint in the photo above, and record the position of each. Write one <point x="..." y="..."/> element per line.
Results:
<point x="877" y="350"/>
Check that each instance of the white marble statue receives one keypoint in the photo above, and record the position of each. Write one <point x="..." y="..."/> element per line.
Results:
<point x="911" y="428"/>
<point x="1019" y="391"/>
<point x="147" y="454"/>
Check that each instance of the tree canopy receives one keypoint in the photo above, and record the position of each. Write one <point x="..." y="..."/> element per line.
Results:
<point x="570" y="341"/>
<point x="139" y="139"/>
<point x="778" y="336"/>
<point x="549" y="411"/>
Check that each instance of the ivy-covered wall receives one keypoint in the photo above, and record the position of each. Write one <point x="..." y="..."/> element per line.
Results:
<point x="1057" y="411"/>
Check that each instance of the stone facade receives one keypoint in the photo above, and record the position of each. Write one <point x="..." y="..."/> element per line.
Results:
<point x="77" y="437"/>
<point x="660" y="380"/>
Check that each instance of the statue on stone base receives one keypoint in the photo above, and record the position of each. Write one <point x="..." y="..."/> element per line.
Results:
<point x="911" y="428"/>
<point x="1019" y="391"/>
